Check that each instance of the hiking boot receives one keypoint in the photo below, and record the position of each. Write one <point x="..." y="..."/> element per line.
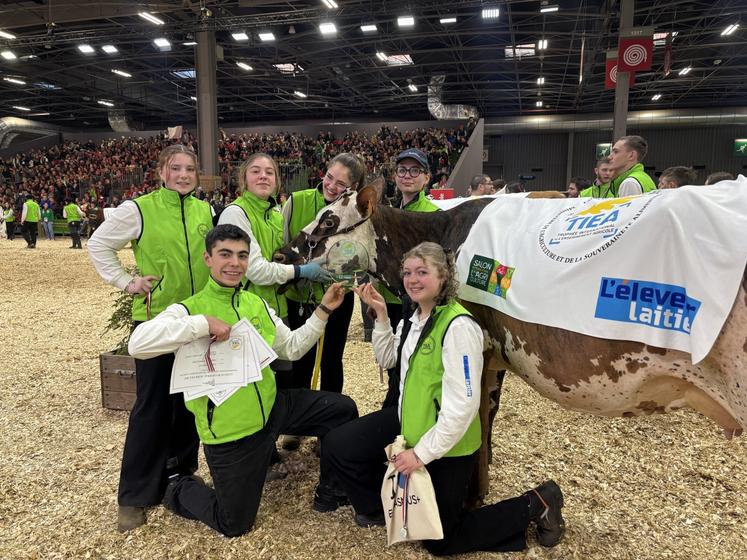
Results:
<point x="326" y="499"/>
<point x="130" y="517"/>
<point x="550" y="523"/>
<point x="368" y="521"/>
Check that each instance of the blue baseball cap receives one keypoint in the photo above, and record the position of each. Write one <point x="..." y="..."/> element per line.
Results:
<point x="415" y="154"/>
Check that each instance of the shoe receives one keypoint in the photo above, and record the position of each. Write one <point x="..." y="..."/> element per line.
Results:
<point x="326" y="499"/>
<point x="278" y="471"/>
<point x="550" y="523"/>
<point x="368" y="521"/>
<point x="130" y="517"/>
<point x="290" y="443"/>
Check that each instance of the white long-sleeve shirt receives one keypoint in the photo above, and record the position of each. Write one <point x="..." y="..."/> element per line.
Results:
<point x="260" y="271"/>
<point x="460" y="397"/>
<point x="173" y="327"/>
<point x="629" y="187"/>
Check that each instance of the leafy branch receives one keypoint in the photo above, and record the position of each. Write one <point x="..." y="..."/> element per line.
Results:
<point x="121" y="317"/>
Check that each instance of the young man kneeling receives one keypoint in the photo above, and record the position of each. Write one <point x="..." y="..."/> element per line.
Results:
<point x="239" y="435"/>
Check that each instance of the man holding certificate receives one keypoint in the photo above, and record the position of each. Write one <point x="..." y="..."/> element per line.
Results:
<point x="239" y="434"/>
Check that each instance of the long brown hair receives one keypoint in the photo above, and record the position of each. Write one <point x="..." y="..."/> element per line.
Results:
<point x="355" y="166"/>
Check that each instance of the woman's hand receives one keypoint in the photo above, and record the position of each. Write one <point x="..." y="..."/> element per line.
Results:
<point x="140" y="285"/>
<point x="373" y="299"/>
<point x="334" y="295"/>
<point x="407" y="462"/>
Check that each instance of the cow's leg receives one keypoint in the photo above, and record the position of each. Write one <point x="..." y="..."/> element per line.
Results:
<point x="490" y="391"/>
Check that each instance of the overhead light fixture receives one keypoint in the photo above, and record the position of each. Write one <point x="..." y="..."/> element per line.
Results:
<point x="105" y="103"/>
<point x="15" y="81"/>
<point x="266" y="36"/>
<point x="300" y="94"/>
<point x="190" y="43"/>
<point x="369" y="28"/>
<point x="244" y="66"/>
<point x="540" y="80"/>
<point x="447" y="20"/>
<point x="40" y="114"/>
<point x="685" y="71"/>
<point x="240" y="36"/>
<point x="21" y="108"/>
<point x="405" y="21"/>
<point x="538" y="104"/>
<point x="6" y="35"/>
<point x="381" y="56"/>
<point x="541" y="44"/>
<point x="8" y="55"/>
<point x="656" y="97"/>
<point x="151" y="18"/>
<point x="162" y="43"/>
<point x="491" y="13"/>
<point x="412" y="87"/>
<point x="331" y="4"/>
<point x="109" y="49"/>
<point x="548" y="8"/>
<point x="193" y="98"/>
<point x="121" y="73"/>
<point x="86" y="49"/>
<point x="730" y="29"/>
<point x="288" y="68"/>
<point x="327" y="28"/>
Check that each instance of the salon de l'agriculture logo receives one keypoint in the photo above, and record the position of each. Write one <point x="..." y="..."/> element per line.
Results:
<point x="490" y="275"/>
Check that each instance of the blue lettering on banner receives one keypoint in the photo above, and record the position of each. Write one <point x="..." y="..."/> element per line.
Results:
<point x="467" y="380"/>
<point x="664" y="306"/>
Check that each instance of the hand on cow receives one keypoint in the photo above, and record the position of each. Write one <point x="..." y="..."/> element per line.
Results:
<point x="407" y="462"/>
<point x="219" y="330"/>
<point x="140" y="285"/>
<point x="373" y="299"/>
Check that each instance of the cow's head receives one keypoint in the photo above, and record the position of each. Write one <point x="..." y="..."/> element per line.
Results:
<point x="348" y="218"/>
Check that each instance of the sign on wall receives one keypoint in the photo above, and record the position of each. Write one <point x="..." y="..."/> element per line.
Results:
<point x="603" y="150"/>
<point x="740" y="147"/>
<point x="636" y="50"/>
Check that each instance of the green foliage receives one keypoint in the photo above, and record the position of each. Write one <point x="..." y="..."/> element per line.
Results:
<point x="121" y="317"/>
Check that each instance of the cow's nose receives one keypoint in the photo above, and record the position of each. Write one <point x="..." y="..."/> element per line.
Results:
<point x="279" y="258"/>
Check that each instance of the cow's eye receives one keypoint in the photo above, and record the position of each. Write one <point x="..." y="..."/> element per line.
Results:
<point x="328" y="223"/>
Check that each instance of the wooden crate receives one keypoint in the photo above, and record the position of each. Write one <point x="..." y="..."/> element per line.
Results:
<point x="117" y="381"/>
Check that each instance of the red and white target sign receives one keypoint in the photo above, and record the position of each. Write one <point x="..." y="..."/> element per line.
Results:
<point x="636" y="50"/>
<point x="610" y="75"/>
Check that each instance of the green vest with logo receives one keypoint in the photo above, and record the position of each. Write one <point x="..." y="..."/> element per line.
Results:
<point x="267" y="228"/>
<point x="11" y="216"/>
<point x="597" y="191"/>
<point x="421" y="394"/>
<point x="71" y="213"/>
<point x="305" y="206"/>
<point x="611" y="190"/>
<point x="33" y="212"/>
<point x="171" y="246"/>
<point x="247" y="410"/>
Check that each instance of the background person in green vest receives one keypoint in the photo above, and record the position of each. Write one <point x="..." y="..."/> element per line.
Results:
<point x="30" y="216"/>
<point x="601" y="187"/>
<point x="73" y="214"/>
<point x="167" y="229"/>
<point x="676" y="177"/>
<point x="344" y="171"/>
<point x="239" y="435"/>
<point x="628" y="176"/>
<point x="438" y="352"/>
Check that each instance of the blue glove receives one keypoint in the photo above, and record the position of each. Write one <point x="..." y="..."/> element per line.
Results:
<point x="314" y="272"/>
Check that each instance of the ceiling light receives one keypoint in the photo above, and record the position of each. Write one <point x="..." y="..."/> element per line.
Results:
<point x="546" y="9"/>
<point x="244" y="66"/>
<point x="8" y="55"/>
<point x="86" y="49"/>
<point x="6" y="35"/>
<point x="685" y="71"/>
<point x="121" y="73"/>
<point x="540" y="80"/>
<point x="267" y="36"/>
<point x="541" y="44"/>
<point x="15" y="81"/>
<point x="20" y="108"/>
<point x="151" y="18"/>
<point x="447" y="20"/>
<point x="190" y="43"/>
<point x="491" y="13"/>
<point x="331" y="4"/>
<point x="300" y="94"/>
<point x="381" y="56"/>
<point x="656" y="97"/>
<point x="369" y="28"/>
<point x="730" y="29"/>
<point x="162" y="43"/>
<point x="105" y="103"/>
<point x="538" y="104"/>
<point x="405" y="21"/>
<point x="327" y="28"/>
<point x="288" y="68"/>
<point x="193" y="98"/>
<point x="40" y="114"/>
<point x="109" y="49"/>
<point x="240" y="36"/>
<point x="413" y="87"/>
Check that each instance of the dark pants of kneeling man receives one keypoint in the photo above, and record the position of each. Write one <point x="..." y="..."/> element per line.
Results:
<point x="238" y="468"/>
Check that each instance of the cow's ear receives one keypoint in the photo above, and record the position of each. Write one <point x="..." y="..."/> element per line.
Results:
<point x="368" y="198"/>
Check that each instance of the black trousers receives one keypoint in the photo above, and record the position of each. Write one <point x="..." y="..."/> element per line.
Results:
<point x="161" y="436"/>
<point x="10" y="230"/>
<point x="30" y="232"/>
<point x="354" y="455"/>
<point x="74" y="228"/>
<point x="395" y="311"/>
<point x="238" y="468"/>
<point x="335" y="337"/>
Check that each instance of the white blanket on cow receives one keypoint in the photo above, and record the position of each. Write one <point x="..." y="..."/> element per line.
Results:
<point x="662" y="268"/>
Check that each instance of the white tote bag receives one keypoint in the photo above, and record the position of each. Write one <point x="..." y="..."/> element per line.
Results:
<point x="410" y="507"/>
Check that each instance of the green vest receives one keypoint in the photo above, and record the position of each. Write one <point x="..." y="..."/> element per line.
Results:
<point x="611" y="190"/>
<point x="32" y="211"/>
<point x="421" y="394"/>
<point x="306" y="205"/>
<point x="171" y="246"/>
<point x="267" y="227"/>
<point x="71" y="213"/>
<point x="247" y="410"/>
<point x="11" y="218"/>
